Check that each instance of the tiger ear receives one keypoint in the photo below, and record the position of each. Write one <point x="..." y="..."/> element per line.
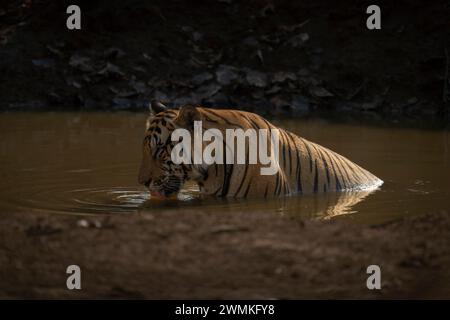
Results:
<point x="156" y="106"/>
<point x="186" y="117"/>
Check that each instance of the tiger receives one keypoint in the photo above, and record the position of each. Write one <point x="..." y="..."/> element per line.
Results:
<point x="304" y="166"/>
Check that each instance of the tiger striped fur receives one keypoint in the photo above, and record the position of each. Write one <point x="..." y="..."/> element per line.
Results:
<point x="304" y="167"/>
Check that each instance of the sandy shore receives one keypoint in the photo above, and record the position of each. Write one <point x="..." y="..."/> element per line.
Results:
<point x="222" y="255"/>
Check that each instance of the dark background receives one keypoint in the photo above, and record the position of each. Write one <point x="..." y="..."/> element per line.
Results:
<point x="277" y="58"/>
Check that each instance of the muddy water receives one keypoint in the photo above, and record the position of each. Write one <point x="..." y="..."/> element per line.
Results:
<point x="87" y="164"/>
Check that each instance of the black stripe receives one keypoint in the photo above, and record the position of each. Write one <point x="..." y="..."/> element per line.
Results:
<point x="221" y="117"/>
<point x="364" y="173"/>
<point x="266" y="122"/>
<point x="299" y="175"/>
<point x="252" y="123"/>
<point x="248" y="188"/>
<point x="217" y="191"/>
<point x="227" y="172"/>
<point x="318" y="155"/>
<point x="309" y="153"/>
<point x="335" y="161"/>
<point x="286" y="188"/>
<point x="277" y="182"/>
<point x="215" y="121"/>
<point x="265" y="192"/>
<point x="319" y="152"/>
<point x="316" y="178"/>
<point x="283" y="153"/>
<point x="344" y="164"/>
<point x="338" y="184"/>
<point x="281" y="185"/>
<point x="298" y="169"/>
<point x="289" y="153"/>
<point x="288" y="134"/>
<point x="356" y="177"/>
<point x="338" y="162"/>
<point x="167" y="115"/>
<point x="327" y="171"/>
<point x="245" y="175"/>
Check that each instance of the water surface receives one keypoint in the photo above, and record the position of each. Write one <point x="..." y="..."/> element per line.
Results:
<point x="87" y="164"/>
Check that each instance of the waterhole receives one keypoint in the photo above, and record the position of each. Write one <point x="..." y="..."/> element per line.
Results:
<point x="87" y="164"/>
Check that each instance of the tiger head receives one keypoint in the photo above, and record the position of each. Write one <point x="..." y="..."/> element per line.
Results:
<point x="157" y="172"/>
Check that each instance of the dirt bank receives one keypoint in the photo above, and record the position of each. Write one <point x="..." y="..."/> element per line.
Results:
<point x="222" y="255"/>
<point x="273" y="57"/>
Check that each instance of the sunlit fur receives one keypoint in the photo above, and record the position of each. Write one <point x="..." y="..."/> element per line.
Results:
<point x="305" y="167"/>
